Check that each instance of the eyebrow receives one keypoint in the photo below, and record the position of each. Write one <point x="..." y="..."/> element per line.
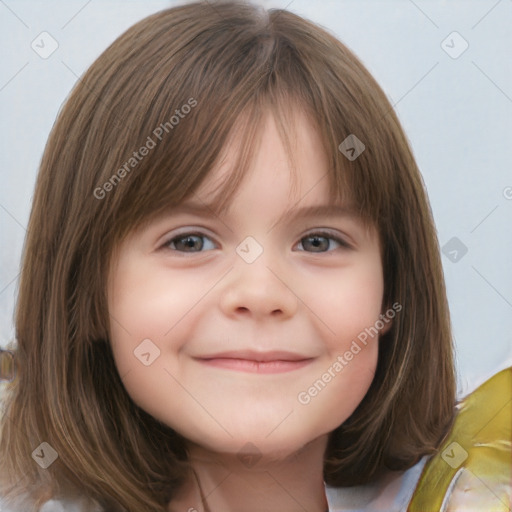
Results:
<point x="292" y="214"/>
<point x="323" y="210"/>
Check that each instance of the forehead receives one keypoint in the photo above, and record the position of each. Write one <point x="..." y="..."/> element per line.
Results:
<point x="276" y="152"/>
<point x="286" y="159"/>
<point x="278" y="185"/>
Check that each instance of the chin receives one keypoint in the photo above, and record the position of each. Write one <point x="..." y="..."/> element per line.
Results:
<point x="258" y="445"/>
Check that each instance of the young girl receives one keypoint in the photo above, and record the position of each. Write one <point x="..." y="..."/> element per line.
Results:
<point x="231" y="297"/>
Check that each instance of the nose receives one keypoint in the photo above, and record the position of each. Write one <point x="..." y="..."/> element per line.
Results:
<point x="258" y="290"/>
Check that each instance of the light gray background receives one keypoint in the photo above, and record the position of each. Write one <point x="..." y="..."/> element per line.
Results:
<point x="457" y="113"/>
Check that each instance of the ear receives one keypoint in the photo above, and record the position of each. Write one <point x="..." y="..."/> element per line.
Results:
<point x="386" y="320"/>
<point x="388" y="323"/>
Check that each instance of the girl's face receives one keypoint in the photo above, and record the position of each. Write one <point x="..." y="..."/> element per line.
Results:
<point x="244" y="328"/>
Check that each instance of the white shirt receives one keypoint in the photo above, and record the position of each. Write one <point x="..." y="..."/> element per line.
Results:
<point x="391" y="494"/>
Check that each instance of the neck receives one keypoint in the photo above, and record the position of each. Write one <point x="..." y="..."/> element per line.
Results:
<point x="230" y="483"/>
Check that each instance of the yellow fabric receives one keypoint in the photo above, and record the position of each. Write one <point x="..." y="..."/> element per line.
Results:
<point x="473" y="469"/>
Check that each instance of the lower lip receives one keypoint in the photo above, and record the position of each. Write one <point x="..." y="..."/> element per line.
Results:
<point x="249" y="366"/>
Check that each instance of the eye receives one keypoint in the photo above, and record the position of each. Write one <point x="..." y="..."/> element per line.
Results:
<point x="189" y="242"/>
<point x="322" y="242"/>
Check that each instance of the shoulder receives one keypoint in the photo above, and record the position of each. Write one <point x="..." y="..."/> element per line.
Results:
<point x="391" y="493"/>
<point x="471" y="470"/>
<point x="23" y="504"/>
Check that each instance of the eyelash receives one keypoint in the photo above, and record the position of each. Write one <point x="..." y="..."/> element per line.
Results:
<point x="321" y="234"/>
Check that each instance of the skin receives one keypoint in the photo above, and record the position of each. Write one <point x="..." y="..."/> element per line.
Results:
<point x="308" y="296"/>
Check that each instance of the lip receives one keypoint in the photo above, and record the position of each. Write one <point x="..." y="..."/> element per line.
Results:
<point x="256" y="362"/>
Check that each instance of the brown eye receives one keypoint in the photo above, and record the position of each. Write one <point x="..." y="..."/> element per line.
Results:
<point x="321" y="242"/>
<point x="189" y="242"/>
<point x="315" y="243"/>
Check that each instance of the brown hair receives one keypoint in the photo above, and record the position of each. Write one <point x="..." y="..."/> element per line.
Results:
<point x="228" y="62"/>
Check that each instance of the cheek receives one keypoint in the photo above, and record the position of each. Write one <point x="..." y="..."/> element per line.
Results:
<point x="348" y="304"/>
<point x="149" y="320"/>
<point x="334" y="395"/>
<point x="145" y="305"/>
<point x="346" y="310"/>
